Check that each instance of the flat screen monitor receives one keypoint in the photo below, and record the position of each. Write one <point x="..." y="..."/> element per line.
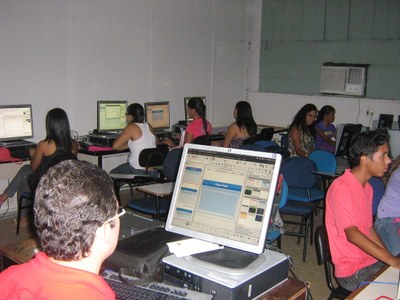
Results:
<point x="111" y="116"/>
<point x="15" y="122"/>
<point x="385" y="121"/>
<point x="345" y="134"/>
<point x="157" y="115"/>
<point x="224" y="196"/>
<point x="186" y="101"/>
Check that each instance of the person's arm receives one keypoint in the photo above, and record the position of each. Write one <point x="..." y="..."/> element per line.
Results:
<point x="320" y="133"/>
<point x="232" y="132"/>
<point x="188" y="138"/>
<point x="121" y="142"/>
<point x="295" y="136"/>
<point x="371" y="245"/>
<point x="38" y="154"/>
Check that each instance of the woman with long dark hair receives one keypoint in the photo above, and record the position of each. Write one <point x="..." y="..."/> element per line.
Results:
<point x="198" y="127"/>
<point x="302" y="131"/>
<point x="243" y="128"/>
<point x="58" y="143"/>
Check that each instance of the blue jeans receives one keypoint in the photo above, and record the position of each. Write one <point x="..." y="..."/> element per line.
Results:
<point x="363" y="275"/>
<point x="388" y="230"/>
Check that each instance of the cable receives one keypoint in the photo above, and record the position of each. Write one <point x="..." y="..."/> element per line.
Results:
<point x="293" y="269"/>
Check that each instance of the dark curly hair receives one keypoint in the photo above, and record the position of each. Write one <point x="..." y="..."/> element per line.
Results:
<point x="299" y="120"/>
<point x="244" y="118"/>
<point x="366" y="144"/>
<point x="73" y="199"/>
<point x="198" y="105"/>
<point x="325" y="110"/>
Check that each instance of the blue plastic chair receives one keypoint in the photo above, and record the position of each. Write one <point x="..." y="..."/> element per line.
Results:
<point x="253" y="147"/>
<point x="266" y="144"/>
<point x="302" y="196"/>
<point x="159" y="206"/>
<point x="274" y="232"/>
<point x="324" y="160"/>
<point x="379" y="189"/>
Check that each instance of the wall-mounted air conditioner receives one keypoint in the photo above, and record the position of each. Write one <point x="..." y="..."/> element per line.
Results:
<point x="343" y="79"/>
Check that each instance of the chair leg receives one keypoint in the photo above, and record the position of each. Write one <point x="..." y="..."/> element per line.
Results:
<point x="306" y="233"/>
<point x="279" y="242"/>
<point x="19" y="204"/>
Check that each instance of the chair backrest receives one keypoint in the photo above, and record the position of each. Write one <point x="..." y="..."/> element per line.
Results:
<point x="297" y="172"/>
<point x="171" y="163"/>
<point x="152" y="157"/>
<point x="266" y="134"/>
<point x="379" y="189"/>
<point x="253" y="147"/>
<point x="266" y="143"/>
<point x="285" y="140"/>
<point x="324" y="254"/>
<point x="325" y="161"/>
<point x="202" y="140"/>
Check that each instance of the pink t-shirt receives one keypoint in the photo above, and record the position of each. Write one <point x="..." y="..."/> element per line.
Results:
<point x="348" y="204"/>
<point x="195" y="128"/>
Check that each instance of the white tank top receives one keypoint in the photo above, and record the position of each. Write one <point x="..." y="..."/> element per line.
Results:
<point x="147" y="140"/>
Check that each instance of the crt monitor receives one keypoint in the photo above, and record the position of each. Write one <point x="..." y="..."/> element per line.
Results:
<point x="224" y="196"/>
<point x="385" y="121"/>
<point x="15" y="122"/>
<point x="186" y="101"/>
<point x="345" y="134"/>
<point x="111" y="115"/>
<point x="157" y="115"/>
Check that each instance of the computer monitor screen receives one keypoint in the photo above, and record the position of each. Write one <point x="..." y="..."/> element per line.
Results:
<point x="111" y="115"/>
<point x="186" y="101"/>
<point x="16" y="122"/>
<point x="385" y="121"/>
<point x="157" y="115"/>
<point x="224" y="196"/>
<point x="345" y="134"/>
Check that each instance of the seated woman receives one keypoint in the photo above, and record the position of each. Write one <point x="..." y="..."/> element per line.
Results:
<point x="244" y="128"/>
<point x="302" y="131"/>
<point x="387" y="223"/>
<point x="198" y="127"/>
<point x="58" y="142"/>
<point x="325" y="131"/>
<point x="136" y="136"/>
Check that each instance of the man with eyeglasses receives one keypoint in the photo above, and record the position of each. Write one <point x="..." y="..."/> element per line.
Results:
<point x="77" y="221"/>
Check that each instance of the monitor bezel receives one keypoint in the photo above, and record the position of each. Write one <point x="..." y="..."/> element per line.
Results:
<point x="99" y="102"/>
<point x="6" y="139"/>
<point x="344" y="152"/>
<point x="147" y="104"/>
<point x="185" y="102"/>
<point x="387" y="120"/>
<point x="239" y="245"/>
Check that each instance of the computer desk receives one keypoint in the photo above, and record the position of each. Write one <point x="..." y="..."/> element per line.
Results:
<point x="107" y="160"/>
<point x="384" y="286"/>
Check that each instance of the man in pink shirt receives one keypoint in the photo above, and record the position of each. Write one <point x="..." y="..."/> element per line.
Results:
<point x="357" y="250"/>
<point x="77" y="221"/>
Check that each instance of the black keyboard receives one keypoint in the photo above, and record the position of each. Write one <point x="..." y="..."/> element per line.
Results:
<point x="20" y="152"/>
<point x="151" y="291"/>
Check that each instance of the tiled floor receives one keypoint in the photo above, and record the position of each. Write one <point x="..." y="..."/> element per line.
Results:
<point x="310" y="270"/>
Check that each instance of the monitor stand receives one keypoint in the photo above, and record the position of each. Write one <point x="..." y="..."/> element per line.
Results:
<point x="227" y="258"/>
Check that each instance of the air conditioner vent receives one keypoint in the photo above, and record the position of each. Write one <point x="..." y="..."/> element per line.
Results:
<point x="343" y="80"/>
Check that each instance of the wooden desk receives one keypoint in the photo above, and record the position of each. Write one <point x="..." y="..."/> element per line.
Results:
<point x="17" y="253"/>
<point x="291" y="289"/>
<point x="387" y="275"/>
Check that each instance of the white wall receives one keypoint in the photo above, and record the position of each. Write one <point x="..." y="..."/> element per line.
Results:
<point x="279" y="109"/>
<point x="71" y="53"/>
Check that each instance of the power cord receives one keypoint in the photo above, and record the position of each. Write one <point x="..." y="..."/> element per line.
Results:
<point x="292" y="269"/>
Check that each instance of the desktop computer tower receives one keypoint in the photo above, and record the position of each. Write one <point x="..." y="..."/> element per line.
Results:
<point x="268" y="270"/>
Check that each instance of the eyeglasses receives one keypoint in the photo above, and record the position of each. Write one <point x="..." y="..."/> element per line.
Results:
<point x="121" y="211"/>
